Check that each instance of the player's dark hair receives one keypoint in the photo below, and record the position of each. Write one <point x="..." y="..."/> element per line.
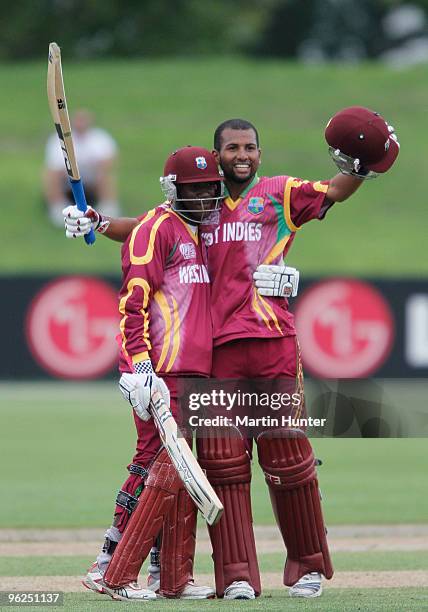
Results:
<point x="233" y="124"/>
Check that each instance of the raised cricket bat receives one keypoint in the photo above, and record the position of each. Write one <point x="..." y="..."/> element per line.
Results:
<point x="59" y="112"/>
<point x="185" y="463"/>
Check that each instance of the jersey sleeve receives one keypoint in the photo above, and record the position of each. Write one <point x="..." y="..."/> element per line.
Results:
<point x="143" y="261"/>
<point x="304" y="201"/>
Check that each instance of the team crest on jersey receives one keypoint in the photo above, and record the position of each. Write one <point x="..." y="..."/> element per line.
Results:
<point x="256" y="206"/>
<point x="201" y="162"/>
<point x="188" y="250"/>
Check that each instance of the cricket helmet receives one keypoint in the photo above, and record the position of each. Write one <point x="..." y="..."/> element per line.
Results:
<point x="362" y="140"/>
<point x="192" y="165"/>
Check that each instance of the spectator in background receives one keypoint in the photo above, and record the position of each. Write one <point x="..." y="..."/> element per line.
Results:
<point x="96" y="153"/>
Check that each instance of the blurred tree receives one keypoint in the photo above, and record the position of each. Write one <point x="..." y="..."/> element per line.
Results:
<point x="323" y="29"/>
<point x="128" y="27"/>
<point x="318" y="30"/>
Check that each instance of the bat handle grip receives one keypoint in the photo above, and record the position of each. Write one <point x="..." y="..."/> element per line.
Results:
<point x="80" y="199"/>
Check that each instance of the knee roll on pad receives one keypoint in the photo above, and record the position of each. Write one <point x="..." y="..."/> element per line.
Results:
<point x="163" y="475"/>
<point x="224" y="458"/>
<point x="228" y="469"/>
<point x="289" y="467"/>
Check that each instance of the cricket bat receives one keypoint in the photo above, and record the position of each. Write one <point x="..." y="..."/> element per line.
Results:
<point x="59" y="112"/>
<point x="185" y="463"/>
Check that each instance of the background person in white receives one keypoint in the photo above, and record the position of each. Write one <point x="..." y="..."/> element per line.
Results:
<point x="96" y="153"/>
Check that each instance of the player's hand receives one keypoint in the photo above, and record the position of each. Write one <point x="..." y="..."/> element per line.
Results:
<point x="276" y="281"/>
<point x="78" y="223"/>
<point x="137" y="388"/>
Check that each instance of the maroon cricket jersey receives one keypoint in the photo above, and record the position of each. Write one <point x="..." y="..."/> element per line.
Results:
<point x="165" y="297"/>
<point x="257" y="228"/>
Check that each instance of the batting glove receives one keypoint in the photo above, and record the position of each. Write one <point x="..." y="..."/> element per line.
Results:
<point x="137" y="388"/>
<point x="78" y="223"/>
<point x="276" y="281"/>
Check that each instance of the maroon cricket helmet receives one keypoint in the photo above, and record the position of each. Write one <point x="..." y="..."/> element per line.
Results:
<point x="192" y="165"/>
<point x="364" y="134"/>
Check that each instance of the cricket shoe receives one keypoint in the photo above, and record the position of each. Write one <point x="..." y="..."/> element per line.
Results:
<point x="129" y="592"/>
<point x="309" y="585"/>
<point x="194" y="591"/>
<point x="240" y="589"/>
<point x="94" y="579"/>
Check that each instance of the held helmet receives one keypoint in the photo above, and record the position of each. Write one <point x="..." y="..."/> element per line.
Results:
<point x="192" y="165"/>
<point x="361" y="142"/>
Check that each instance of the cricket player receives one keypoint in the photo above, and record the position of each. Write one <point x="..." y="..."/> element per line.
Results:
<point x="254" y="337"/>
<point x="164" y="297"/>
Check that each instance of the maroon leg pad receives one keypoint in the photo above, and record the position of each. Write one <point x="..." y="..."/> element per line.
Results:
<point x="156" y="500"/>
<point x="178" y="545"/>
<point x="289" y="467"/>
<point x="228" y="469"/>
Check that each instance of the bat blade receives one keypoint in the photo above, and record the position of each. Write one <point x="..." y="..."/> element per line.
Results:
<point x="189" y="470"/>
<point x="59" y="112"/>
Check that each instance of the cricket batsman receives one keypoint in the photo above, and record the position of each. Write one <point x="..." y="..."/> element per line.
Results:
<point x="165" y="295"/>
<point x="254" y="336"/>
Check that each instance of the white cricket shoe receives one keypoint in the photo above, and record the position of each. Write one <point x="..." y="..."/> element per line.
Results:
<point x="240" y="589"/>
<point x="309" y="585"/>
<point x="94" y="579"/>
<point x="129" y="592"/>
<point x="193" y="591"/>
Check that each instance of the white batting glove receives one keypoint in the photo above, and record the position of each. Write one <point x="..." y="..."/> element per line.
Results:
<point x="276" y="281"/>
<point x="78" y="223"/>
<point x="137" y="388"/>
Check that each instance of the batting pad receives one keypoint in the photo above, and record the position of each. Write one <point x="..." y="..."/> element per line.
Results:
<point x="156" y="501"/>
<point x="227" y="467"/>
<point x="178" y="545"/>
<point x="289" y="467"/>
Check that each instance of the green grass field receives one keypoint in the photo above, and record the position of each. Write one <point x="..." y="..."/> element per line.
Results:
<point x="63" y="448"/>
<point x="70" y="443"/>
<point x="154" y="107"/>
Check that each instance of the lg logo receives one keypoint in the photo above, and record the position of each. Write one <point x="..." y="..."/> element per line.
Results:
<point x="345" y="327"/>
<point x="71" y="327"/>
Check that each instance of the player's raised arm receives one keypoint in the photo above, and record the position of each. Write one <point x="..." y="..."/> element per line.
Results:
<point x="362" y="145"/>
<point x="79" y="224"/>
<point x="341" y="187"/>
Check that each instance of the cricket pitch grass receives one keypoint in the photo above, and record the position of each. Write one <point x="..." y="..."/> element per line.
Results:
<point x="377" y="568"/>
